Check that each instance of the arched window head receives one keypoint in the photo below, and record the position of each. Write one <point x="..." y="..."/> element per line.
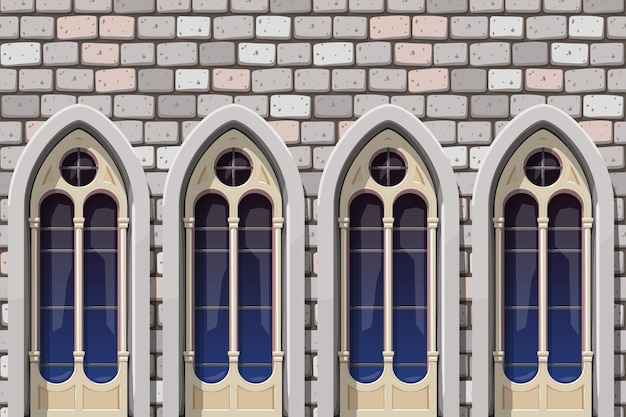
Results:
<point x="542" y="225"/>
<point x="233" y="222"/>
<point x="388" y="230"/>
<point x="78" y="218"/>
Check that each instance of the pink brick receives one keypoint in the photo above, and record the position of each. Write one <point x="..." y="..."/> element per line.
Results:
<point x="432" y="79"/>
<point x="343" y="128"/>
<point x="4" y="263"/>
<point x="544" y="79"/>
<point x="390" y="27"/>
<point x="31" y="128"/>
<point x="288" y="130"/>
<point x="465" y="288"/>
<point x="600" y="131"/>
<point x="100" y="54"/>
<point x="156" y="287"/>
<point x="231" y="79"/>
<point x="116" y="80"/>
<point x="413" y="53"/>
<point x="77" y="27"/>
<point x="430" y="27"/>
<point x="117" y="27"/>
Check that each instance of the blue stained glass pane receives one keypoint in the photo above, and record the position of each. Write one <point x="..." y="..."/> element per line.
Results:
<point x="565" y="374"/>
<point x="211" y="239"/>
<point x="520" y="374"/>
<point x="564" y="211"/>
<point x="366" y="239"/>
<point x="520" y="336"/>
<point x="366" y="210"/>
<point x="565" y="279"/>
<point x="255" y="211"/>
<point x="255" y="239"/>
<point x="409" y="279"/>
<point x="521" y="239"/>
<point x="520" y="279"/>
<point x="100" y="329"/>
<point x="211" y="341"/>
<point x="100" y="211"/>
<point x="100" y="374"/>
<point x="101" y="239"/>
<point x="564" y="336"/>
<point x="57" y="336"/>
<point x="564" y="239"/>
<point x="100" y="279"/>
<point x="255" y="342"/>
<point x="211" y="210"/>
<point x="366" y="279"/>
<point x="56" y="279"/>
<point x="56" y="374"/>
<point x="366" y="336"/>
<point x="414" y="239"/>
<point x="409" y="210"/>
<point x="57" y="239"/>
<point x="410" y="374"/>
<point x="57" y="210"/>
<point x="255" y="279"/>
<point x="366" y="373"/>
<point x="211" y="282"/>
<point x="255" y="374"/>
<point x="520" y="211"/>
<point x="410" y="336"/>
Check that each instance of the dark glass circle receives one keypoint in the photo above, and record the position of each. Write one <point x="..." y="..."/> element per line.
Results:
<point x="543" y="168"/>
<point x="233" y="168"/>
<point x="79" y="168"/>
<point x="388" y="168"/>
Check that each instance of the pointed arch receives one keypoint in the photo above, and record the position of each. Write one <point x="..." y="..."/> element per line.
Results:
<point x="587" y="154"/>
<point x="118" y="147"/>
<point x="340" y="160"/>
<point x="197" y="142"/>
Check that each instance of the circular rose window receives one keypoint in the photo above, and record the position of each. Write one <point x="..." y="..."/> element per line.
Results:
<point x="233" y="168"/>
<point x="543" y="168"/>
<point x="388" y="168"/>
<point x="79" y="168"/>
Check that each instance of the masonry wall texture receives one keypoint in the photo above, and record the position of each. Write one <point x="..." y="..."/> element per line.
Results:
<point x="311" y="68"/>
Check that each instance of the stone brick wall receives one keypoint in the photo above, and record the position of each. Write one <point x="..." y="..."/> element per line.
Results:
<point x="312" y="67"/>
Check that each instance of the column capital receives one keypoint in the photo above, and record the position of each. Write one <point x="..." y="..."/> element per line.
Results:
<point x="189" y="222"/>
<point x="344" y="222"/>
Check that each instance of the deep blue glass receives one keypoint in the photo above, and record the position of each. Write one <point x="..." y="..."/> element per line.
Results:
<point x="521" y="325"/>
<point x="366" y="343"/>
<point x="211" y="341"/>
<point x="101" y="288"/>
<point x="56" y="288"/>
<point x="410" y="338"/>
<point x="255" y="288"/>
<point x="211" y="283"/>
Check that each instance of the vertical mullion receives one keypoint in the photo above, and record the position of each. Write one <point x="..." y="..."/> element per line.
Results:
<point x="498" y="224"/>
<point x="388" y="282"/>
<point x="122" y="224"/>
<point x="233" y="253"/>
<point x="431" y="283"/>
<point x="79" y="225"/>
<point x="36" y="276"/>
<point x="344" y="224"/>
<point x="277" y="304"/>
<point x="587" y="223"/>
<point x="542" y="223"/>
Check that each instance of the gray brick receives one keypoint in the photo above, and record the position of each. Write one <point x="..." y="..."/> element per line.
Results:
<point x="177" y="106"/>
<point x="619" y="132"/>
<point x="446" y="106"/>
<point x="156" y="183"/>
<point x="177" y="53"/>
<point x="302" y="156"/>
<point x="312" y="27"/>
<point x="617" y="80"/>
<point x="156" y="27"/>
<point x="496" y="106"/>
<point x="74" y="79"/>
<point x="446" y="6"/>
<point x="490" y="54"/>
<point x="312" y="80"/>
<point x="138" y="54"/>
<point x="330" y="6"/>
<point x="470" y="80"/>
<point x="616" y="27"/>
<point x="54" y="6"/>
<point x="272" y="80"/>
<point x="36" y="80"/>
<point x="469" y="27"/>
<point x="60" y="53"/>
<point x="103" y="104"/>
<point x="562" y="6"/>
<point x="233" y="27"/>
<point x="9" y="27"/>
<point x="413" y="104"/>
<point x="93" y="6"/>
<point x="350" y="27"/>
<point x="19" y="6"/>
<point x="133" y="106"/>
<point x="546" y="27"/>
<point x="169" y="6"/>
<point x="520" y="102"/>
<point x="365" y="102"/>
<point x="162" y="133"/>
<point x="366" y="6"/>
<point x="603" y="6"/>
<point x="249" y="6"/>
<point x="406" y="6"/>
<point x="523" y="6"/>
<point x="530" y="54"/>
<point x="188" y="126"/>
<point x="450" y="54"/>
<point x="290" y="6"/>
<point x="8" y="80"/>
<point x="217" y="53"/>
<point x="571" y="105"/>
<point x="474" y="132"/>
<point x="133" y="6"/>
<point x="311" y="182"/>
<point x="132" y="129"/>
<point x="207" y="103"/>
<point x="607" y="53"/>
<point x="483" y="6"/>
<point x="53" y="103"/>
<point x="318" y="132"/>
<point x="210" y="6"/>
<point x="585" y="80"/>
<point x="373" y="53"/>
<point x="258" y="104"/>
<point x="10" y="132"/>
<point x="349" y="80"/>
<point x="20" y="106"/>
<point x="36" y="27"/>
<point x="294" y="54"/>
<point x="333" y="106"/>
<point x="320" y="156"/>
<point x="157" y="80"/>
<point x="381" y="79"/>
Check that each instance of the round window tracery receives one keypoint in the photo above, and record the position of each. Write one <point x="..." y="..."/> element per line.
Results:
<point x="79" y="168"/>
<point x="388" y="168"/>
<point x="543" y="168"/>
<point x="233" y="168"/>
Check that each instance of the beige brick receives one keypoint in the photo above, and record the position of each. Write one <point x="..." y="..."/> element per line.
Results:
<point x="390" y="27"/>
<point x="413" y="53"/>
<point x="105" y="54"/>
<point x="600" y="131"/>
<point x="117" y="27"/>
<point x="288" y="130"/>
<point x="430" y="27"/>
<point x="538" y="79"/>
<point x="116" y="80"/>
<point x="431" y="80"/>
<point x="32" y="127"/>
<point x="225" y="79"/>
<point x="77" y="27"/>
